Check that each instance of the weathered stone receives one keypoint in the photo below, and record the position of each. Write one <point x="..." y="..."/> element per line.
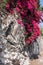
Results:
<point x="15" y="62"/>
<point x="13" y="41"/>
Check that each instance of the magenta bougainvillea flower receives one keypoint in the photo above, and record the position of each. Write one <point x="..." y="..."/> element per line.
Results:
<point x="27" y="10"/>
<point x="7" y="6"/>
<point x="19" y="22"/>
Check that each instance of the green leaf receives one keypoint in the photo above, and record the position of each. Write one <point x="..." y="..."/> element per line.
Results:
<point x="2" y="5"/>
<point x="5" y="1"/>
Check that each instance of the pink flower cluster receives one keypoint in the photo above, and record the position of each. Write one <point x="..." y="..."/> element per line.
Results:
<point x="35" y="32"/>
<point x="27" y="10"/>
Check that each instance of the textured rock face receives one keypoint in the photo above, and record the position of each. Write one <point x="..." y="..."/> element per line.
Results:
<point x="12" y="41"/>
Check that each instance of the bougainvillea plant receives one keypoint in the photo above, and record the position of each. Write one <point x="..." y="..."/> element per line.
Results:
<point x="30" y="15"/>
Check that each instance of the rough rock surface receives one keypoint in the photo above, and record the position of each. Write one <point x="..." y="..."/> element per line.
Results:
<point x="12" y="41"/>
